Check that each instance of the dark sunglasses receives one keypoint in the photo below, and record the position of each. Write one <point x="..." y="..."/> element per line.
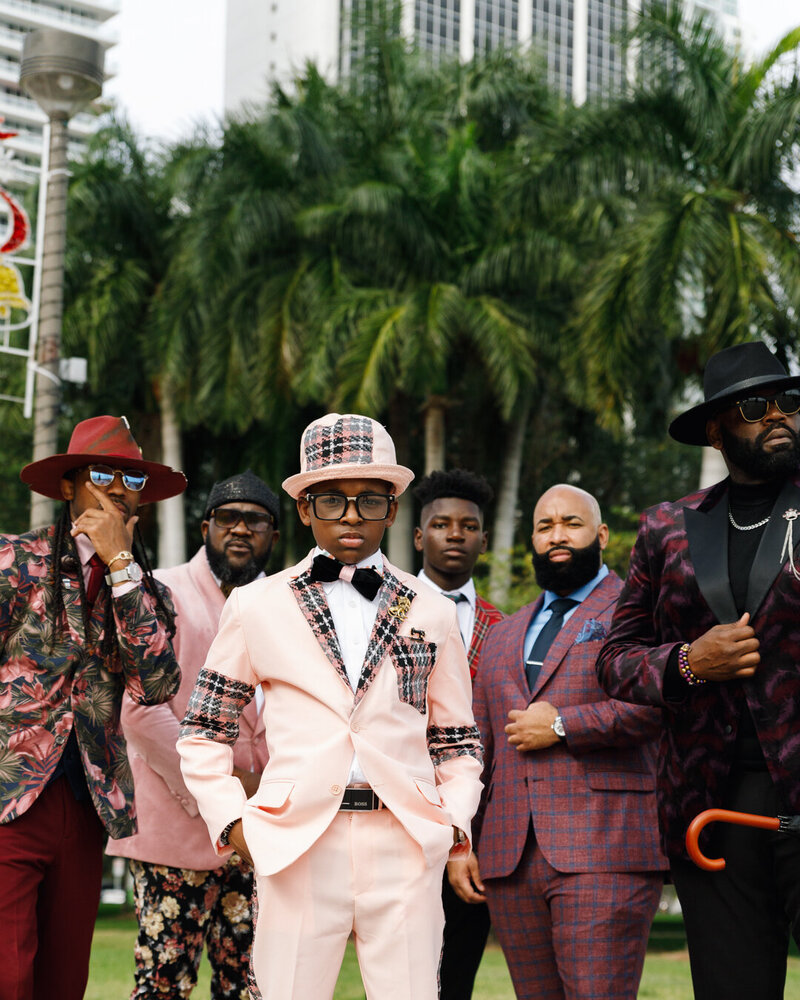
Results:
<point x="229" y="517"/>
<point x="103" y="476"/>
<point x="755" y="408"/>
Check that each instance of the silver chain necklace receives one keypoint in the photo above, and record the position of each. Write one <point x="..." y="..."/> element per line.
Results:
<point x="747" y="527"/>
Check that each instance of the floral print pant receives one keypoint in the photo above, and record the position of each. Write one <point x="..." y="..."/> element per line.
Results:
<point x="178" y="911"/>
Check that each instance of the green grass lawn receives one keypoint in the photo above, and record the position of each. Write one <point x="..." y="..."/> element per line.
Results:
<point x="666" y="970"/>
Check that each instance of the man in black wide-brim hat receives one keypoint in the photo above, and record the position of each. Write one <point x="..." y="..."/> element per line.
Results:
<point x="708" y="628"/>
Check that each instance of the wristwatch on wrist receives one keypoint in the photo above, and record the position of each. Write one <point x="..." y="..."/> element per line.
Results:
<point x="557" y="725"/>
<point x="131" y="573"/>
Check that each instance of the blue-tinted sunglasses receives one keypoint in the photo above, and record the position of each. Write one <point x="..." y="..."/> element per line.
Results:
<point x="103" y="476"/>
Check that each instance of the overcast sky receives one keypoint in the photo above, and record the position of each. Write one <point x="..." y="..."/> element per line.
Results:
<point x="169" y="57"/>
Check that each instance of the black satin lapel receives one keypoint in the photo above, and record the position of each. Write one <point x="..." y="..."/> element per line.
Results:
<point x="768" y="562"/>
<point x="707" y="534"/>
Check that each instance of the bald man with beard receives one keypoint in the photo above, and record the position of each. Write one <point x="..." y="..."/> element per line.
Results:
<point x="566" y="838"/>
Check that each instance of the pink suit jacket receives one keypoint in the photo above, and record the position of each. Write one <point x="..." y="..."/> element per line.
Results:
<point x="591" y="799"/>
<point x="171" y="830"/>
<point x="409" y="720"/>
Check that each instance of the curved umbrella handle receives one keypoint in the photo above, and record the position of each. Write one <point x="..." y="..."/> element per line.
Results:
<point x="722" y="816"/>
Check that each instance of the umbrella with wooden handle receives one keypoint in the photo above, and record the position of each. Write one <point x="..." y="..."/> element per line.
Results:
<point x="780" y="824"/>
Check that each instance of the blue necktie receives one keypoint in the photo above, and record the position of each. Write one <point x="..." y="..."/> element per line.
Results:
<point x="544" y="640"/>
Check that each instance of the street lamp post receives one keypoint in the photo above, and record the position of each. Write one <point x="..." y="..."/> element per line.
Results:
<point x="62" y="72"/>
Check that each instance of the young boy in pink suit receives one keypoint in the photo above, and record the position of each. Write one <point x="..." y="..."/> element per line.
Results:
<point x="374" y="757"/>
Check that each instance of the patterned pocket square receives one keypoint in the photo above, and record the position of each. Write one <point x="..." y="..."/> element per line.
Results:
<point x="593" y="629"/>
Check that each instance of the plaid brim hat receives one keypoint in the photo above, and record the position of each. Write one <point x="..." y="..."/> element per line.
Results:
<point x="244" y="488"/>
<point x="347" y="446"/>
<point x="103" y="441"/>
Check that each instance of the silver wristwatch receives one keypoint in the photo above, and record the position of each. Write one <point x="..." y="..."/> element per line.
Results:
<point x="132" y="572"/>
<point x="557" y="725"/>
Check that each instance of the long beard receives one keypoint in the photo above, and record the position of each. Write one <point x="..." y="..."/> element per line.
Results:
<point x="564" y="577"/>
<point x="751" y="457"/>
<point x="234" y="576"/>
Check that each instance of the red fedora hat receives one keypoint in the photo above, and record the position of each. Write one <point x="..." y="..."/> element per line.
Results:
<point x="103" y="441"/>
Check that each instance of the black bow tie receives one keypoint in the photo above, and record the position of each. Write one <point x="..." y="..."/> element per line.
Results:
<point x="366" y="581"/>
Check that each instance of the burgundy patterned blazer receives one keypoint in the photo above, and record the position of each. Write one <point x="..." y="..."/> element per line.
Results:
<point x="678" y="588"/>
<point x="591" y="799"/>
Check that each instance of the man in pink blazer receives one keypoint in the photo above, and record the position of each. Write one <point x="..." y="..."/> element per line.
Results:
<point x="184" y="896"/>
<point x="567" y="834"/>
<point x="374" y="758"/>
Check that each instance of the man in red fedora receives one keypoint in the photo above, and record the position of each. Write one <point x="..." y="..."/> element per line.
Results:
<point x="81" y="621"/>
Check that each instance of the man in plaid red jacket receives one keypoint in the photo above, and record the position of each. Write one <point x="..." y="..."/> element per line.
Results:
<point x="451" y="536"/>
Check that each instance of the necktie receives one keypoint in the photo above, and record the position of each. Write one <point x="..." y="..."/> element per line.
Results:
<point x="457" y="599"/>
<point x="97" y="570"/>
<point x="366" y="581"/>
<point x="544" y="640"/>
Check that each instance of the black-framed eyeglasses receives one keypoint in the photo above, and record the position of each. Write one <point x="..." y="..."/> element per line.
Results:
<point x="103" y="476"/>
<point x="229" y="517"/>
<point x="755" y="408"/>
<point x="333" y="506"/>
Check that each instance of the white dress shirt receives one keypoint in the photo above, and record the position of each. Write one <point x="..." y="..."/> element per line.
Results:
<point x="465" y="610"/>
<point x="353" y="618"/>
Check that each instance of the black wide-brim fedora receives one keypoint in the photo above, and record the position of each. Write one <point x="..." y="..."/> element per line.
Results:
<point x="730" y="375"/>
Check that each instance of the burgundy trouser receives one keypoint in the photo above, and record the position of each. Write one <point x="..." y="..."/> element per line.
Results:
<point x="51" y="862"/>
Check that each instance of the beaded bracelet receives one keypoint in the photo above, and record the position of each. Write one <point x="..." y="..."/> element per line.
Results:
<point x="685" y="670"/>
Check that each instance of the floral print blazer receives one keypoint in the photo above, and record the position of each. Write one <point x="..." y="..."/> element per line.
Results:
<point x="52" y="685"/>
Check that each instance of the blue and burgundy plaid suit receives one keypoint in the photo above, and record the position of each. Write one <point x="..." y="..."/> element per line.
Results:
<point x="582" y="806"/>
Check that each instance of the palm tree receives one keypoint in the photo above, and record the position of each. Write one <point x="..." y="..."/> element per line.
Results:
<point x="692" y="175"/>
<point x="122" y="231"/>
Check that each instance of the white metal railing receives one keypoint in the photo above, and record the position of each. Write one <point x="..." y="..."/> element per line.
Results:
<point x="40" y="12"/>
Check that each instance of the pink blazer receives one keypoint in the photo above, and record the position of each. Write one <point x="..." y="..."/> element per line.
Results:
<point x="171" y="831"/>
<point x="410" y="719"/>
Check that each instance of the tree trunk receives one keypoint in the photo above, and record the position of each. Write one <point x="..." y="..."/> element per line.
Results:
<point x="171" y="515"/>
<point x="713" y="468"/>
<point x="506" y="516"/>
<point x="400" y="537"/>
<point x="434" y="410"/>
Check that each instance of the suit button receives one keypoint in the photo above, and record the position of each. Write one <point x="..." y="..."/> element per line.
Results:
<point x="59" y="739"/>
<point x="355" y="727"/>
<point x="335" y="789"/>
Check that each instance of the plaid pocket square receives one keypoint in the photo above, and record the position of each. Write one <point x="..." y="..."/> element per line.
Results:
<point x="593" y="629"/>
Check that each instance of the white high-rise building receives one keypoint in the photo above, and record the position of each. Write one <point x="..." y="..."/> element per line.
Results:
<point x="19" y="112"/>
<point x="577" y="39"/>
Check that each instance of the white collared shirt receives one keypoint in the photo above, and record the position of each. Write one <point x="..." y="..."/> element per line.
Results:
<point x="465" y="610"/>
<point x="353" y="618"/>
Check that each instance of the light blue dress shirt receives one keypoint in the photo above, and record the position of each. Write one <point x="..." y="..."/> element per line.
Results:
<point x="538" y="621"/>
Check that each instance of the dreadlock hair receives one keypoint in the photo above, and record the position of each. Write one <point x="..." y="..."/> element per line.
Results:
<point x="65" y="556"/>
<point x="460" y="483"/>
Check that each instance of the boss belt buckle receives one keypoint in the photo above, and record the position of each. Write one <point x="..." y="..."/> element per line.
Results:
<point x="360" y="800"/>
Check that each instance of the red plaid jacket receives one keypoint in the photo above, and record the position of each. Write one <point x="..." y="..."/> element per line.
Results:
<point x="486" y="614"/>
<point x="591" y="799"/>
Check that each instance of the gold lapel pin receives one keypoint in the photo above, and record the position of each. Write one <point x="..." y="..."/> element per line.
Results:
<point x="400" y="609"/>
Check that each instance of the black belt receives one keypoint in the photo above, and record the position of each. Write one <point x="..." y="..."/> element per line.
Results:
<point x="360" y="800"/>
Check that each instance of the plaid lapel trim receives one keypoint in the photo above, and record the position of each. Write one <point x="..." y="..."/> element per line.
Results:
<point x="314" y="606"/>
<point x="485" y="615"/>
<point x="383" y="631"/>
<point x="479" y="630"/>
